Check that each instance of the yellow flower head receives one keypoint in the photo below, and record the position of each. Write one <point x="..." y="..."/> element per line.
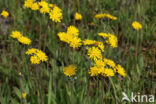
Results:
<point x="56" y="14"/>
<point x="35" y="6"/>
<point x="89" y="42"/>
<point x="34" y="59"/>
<point x="37" y="56"/>
<point x="31" y="51"/>
<point x="24" y="40"/>
<point x="15" y="34"/>
<point x="111" y="17"/>
<point x="109" y="62"/>
<point x="72" y="30"/>
<point x="41" y="55"/>
<point x="75" y="42"/>
<point x="99" y="63"/>
<point x="136" y="25"/>
<point x="103" y="35"/>
<point x="44" y="7"/>
<point x="112" y="40"/>
<point x="94" y="71"/>
<point x="101" y="15"/>
<point x="70" y="70"/>
<point x="94" y="53"/>
<point x="5" y="14"/>
<point x="120" y="70"/>
<point x="24" y="95"/>
<point x="108" y="72"/>
<point x="28" y="3"/>
<point x="101" y="46"/>
<point x="78" y="16"/>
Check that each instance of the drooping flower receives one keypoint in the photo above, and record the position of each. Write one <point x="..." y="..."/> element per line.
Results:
<point x="70" y="70"/>
<point x="105" y="15"/>
<point x="120" y="70"/>
<point x="94" y="53"/>
<point x="5" y="14"/>
<point x="78" y="16"/>
<point x="24" y="40"/>
<point x="31" y="51"/>
<point x="56" y="14"/>
<point x="136" y="25"/>
<point x="89" y="42"/>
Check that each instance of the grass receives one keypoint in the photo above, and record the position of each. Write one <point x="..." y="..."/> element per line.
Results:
<point x="46" y="83"/>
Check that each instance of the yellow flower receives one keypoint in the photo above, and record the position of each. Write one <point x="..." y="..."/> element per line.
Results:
<point x="108" y="72"/>
<point x="101" y="46"/>
<point x="120" y="70"/>
<point x="72" y="30"/>
<point x="101" y="15"/>
<point x="41" y="55"/>
<point x="136" y="25"/>
<point x="94" y="71"/>
<point x="94" y="53"/>
<point x="89" y="42"/>
<point x="99" y="63"/>
<point x="31" y="51"/>
<point x="92" y="24"/>
<point x="5" y="14"/>
<point x="35" y="6"/>
<point x="16" y="34"/>
<point x="28" y="3"/>
<point x="111" y="17"/>
<point x="64" y="37"/>
<point x="103" y="35"/>
<point x="34" y="59"/>
<point x="44" y="7"/>
<point x="109" y="62"/>
<point x="24" y="40"/>
<point x="24" y="95"/>
<point x="56" y="14"/>
<point x="75" y="42"/>
<point x="37" y="56"/>
<point x="78" y="16"/>
<point x="112" y="40"/>
<point x="70" y="70"/>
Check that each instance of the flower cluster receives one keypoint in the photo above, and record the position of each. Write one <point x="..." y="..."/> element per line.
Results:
<point x="55" y="13"/>
<point x="71" y="37"/>
<point x="36" y="56"/>
<point x="105" y="15"/>
<point x="102" y="66"/>
<point x="70" y="70"/>
<point x="22" y="39"/>
<point x="136" y="25"/>
<point x="5" y="14"/>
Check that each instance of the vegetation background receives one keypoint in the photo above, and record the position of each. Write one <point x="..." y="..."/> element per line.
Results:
<point x="46" y="83"/>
